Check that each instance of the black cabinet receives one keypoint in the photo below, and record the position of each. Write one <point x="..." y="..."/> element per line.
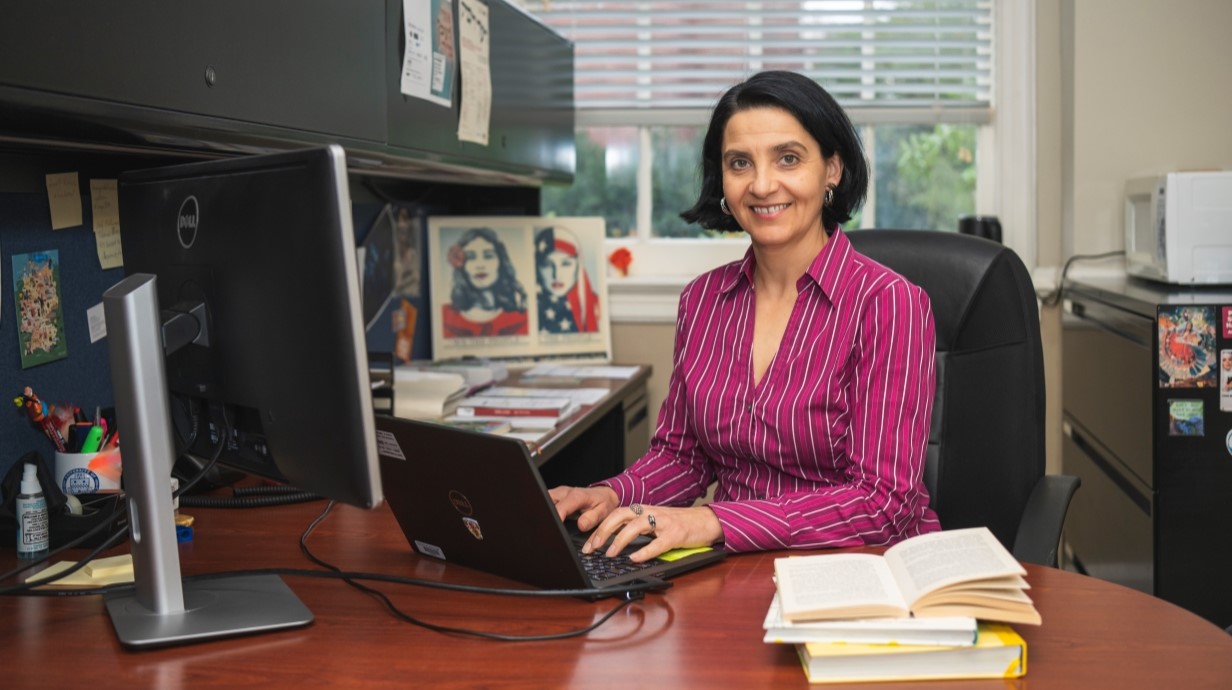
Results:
<point x="235" y="76"/>
<point x="1148" y="427"/>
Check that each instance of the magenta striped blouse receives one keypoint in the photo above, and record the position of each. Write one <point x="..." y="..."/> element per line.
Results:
<point x="828" y="449"/>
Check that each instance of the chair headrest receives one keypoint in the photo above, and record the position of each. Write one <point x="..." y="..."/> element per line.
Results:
<point x="980" y="290"/>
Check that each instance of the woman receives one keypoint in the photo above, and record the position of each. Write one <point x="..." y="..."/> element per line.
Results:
<point x="487" y="299"/>
<point x="802" y="379"/>
<point x="567" y="303"/>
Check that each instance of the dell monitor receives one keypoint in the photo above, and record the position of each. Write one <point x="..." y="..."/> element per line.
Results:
<point x="240" y="318"/>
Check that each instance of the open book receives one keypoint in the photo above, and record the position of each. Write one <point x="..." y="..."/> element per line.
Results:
<point x="964" y="572"/>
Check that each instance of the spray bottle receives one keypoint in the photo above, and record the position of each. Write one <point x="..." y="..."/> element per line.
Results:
<point x="33" y="534"/>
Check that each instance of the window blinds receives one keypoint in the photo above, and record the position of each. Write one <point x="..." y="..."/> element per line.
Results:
<point x="891" y="60"/>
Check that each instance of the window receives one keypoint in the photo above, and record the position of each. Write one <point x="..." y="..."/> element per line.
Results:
<point x="916" y="76"/>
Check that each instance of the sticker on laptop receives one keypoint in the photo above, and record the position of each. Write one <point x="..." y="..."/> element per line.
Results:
<point x="472" y="526"/>
<point x="429" y="549"/>
<point x="388" y="446"/>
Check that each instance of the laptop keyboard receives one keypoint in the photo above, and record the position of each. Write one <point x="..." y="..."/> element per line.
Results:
<point x="601" y="567"/>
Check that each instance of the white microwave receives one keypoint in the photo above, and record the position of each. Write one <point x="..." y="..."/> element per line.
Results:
<point x="1178" y="227"/>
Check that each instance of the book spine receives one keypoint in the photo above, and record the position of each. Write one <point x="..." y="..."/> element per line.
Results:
<point x="484" y="411"/>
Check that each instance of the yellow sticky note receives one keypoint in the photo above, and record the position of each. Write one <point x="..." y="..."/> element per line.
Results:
<point x="677" y="554"/>
<point x="65" y="200"/>
<point x="105" y="208"/>
<point x="106" y="571"/>
<point x="107" y="567"/>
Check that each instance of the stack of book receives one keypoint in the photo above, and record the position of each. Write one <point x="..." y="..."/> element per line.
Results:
<point x="478" y="372"/>
<point x="426" y="394"/>
<point x="936" y="606"/>
<point x="522" y="412"/>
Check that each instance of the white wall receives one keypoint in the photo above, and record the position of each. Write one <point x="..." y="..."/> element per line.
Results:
<point x="1151" y="92"/>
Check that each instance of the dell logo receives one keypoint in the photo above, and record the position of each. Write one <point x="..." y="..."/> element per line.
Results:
<point x="186" y="222"/>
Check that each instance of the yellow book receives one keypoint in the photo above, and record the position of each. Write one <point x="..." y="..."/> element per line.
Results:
<point x="999" y="652"/>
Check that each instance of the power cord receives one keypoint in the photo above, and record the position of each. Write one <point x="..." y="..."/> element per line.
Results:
<point x="631" y="593"/>
<point x="1053" y="297"/>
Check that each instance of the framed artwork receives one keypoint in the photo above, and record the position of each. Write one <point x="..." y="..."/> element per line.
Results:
<point x="519" y="287"/>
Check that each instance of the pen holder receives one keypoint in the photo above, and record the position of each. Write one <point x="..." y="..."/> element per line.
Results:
<point x="88" y="473"/>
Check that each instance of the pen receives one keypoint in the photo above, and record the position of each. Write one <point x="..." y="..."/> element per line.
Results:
<point x="94" y="439"/>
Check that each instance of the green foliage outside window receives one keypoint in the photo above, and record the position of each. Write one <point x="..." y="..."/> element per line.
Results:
<point x="923" y="175"/>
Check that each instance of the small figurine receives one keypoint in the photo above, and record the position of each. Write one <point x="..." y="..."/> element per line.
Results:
<point x="43" y="416"/>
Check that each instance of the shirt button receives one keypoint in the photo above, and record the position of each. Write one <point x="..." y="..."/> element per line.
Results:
<point x="748" y="408"/>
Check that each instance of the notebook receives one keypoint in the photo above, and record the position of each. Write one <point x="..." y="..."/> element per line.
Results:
<point x="477" y="499"/>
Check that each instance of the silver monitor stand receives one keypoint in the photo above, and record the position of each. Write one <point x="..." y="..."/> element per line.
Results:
<point x="164" y="610"/>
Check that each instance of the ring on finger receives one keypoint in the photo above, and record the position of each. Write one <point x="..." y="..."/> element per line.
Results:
<point x="636" y="508"/>
<point x="651" y="519"/>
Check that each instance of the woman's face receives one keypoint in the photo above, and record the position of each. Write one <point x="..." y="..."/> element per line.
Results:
<point x="775" y="177"/>
<point x="481" y="263"/>
<point x="1226" y="360"/>
<point x="558" y="272"/>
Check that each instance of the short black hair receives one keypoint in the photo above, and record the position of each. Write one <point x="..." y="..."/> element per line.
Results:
<point x="820" y="115"/>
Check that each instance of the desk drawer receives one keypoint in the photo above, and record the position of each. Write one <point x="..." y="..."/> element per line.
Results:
<point x="1107" y="385"/>
<point x="1109" y="526"/>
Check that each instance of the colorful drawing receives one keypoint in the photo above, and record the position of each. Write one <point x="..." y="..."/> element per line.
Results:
<point x="1185" y="418"/>
<point x="40" y="311"/>
<point x="1186" y="347"/>
<point x="518" y="286"/>
<point x="567" y="299"/>
<point x="486" y="297"/>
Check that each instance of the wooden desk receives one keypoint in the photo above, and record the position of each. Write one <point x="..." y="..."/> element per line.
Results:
<point x="704" y="632"/>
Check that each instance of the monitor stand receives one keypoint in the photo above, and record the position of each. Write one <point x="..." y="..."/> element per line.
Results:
<point x="164" y="610"/>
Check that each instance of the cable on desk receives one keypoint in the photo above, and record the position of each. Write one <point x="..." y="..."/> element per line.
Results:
<point x="120" y="511"/>
<point x="28" y="587"/>
<point x="258" y="501"/>
<point x="632" y="593"/>
<point x="1051" y="298"/>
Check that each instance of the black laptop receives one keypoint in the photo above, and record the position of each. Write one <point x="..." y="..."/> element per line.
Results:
<point x="476" y="499"/>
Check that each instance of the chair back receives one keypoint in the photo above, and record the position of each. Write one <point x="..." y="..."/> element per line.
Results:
<point x="986" y="443"/>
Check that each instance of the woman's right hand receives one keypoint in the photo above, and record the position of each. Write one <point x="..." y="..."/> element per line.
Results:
<point x="591" y="504"/>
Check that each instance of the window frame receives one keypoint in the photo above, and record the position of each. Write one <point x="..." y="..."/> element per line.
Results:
<point x="1006" y="181"/>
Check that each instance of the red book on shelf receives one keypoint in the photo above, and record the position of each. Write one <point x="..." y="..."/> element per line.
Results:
<point x="520" y="410"/>
<point x="494" y="406"/>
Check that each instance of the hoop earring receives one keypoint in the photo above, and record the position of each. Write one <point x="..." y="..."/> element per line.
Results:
<point x="829" y="196"/>
<point x="723" y="205"/>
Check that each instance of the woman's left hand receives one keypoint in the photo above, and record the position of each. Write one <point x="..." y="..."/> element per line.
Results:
<point x="668" y="528"/>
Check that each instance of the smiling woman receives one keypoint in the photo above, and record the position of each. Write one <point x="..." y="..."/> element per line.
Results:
<point x="802" y="379"/>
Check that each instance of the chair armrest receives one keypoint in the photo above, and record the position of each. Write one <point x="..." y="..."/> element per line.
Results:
<point x="1039" y="529"/>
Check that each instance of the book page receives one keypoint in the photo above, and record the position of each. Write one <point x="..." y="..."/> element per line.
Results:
<point x="928" y="562"/>
<point x="836" y="585"/>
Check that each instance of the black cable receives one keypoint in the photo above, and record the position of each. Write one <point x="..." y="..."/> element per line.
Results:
<point x="632" y="593"/>
<point x="28" y="587"/>
<point x="280" y="499"/>
<point x="120" y="510"/>
<point x="224" y="435"/>
<point x="1053" y="297"/>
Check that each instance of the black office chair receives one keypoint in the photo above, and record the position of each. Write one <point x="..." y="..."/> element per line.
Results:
<point x="985" y="463"/>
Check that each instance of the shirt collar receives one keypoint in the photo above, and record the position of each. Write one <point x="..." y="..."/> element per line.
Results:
<point x="826" y="271"/>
